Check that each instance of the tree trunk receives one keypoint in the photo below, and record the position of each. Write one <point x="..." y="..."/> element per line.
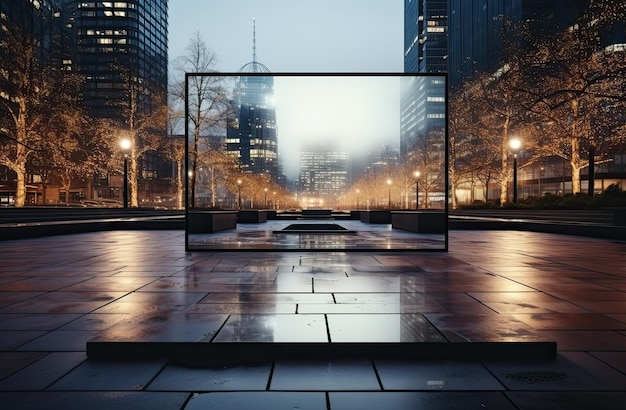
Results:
<point x="453" y="185"/>
<point x="592" y="170"/>
<point x="575" y="165"/>
<point x="132" y="183"/>
<point x="67" y="183"/>
<point x="504" y="175"/>
<point x="213" y="187"/>
<point x="180" y="187"/>
<point x="20" y="187"/>
<point x="575" y="143"/>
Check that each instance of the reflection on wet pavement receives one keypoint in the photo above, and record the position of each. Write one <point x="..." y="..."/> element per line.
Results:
<point x="358" y="236"/>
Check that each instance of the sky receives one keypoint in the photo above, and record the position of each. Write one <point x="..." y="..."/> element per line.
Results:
<point x="298" y="36"/>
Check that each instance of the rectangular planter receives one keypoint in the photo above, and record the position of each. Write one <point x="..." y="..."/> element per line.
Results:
<point x="376" y="217"/>
<point x="251" y="216"/>
<point x="419" y="221"/>
<point x="199" y="221"/>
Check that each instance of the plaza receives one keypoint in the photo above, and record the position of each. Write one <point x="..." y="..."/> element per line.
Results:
<point x="103" y="319"/>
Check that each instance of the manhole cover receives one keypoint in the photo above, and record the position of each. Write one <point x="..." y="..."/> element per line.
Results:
<point x="534" y="377"/>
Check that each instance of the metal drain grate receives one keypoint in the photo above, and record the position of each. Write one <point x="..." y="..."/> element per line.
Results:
<point x="534" y="377"/>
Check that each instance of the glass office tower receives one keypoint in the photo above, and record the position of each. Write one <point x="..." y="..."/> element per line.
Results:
<point x="426" y="51"/>
<point x="324" y="175"/>
<point x="119" y="44"/>
<point x="252" y="134"/>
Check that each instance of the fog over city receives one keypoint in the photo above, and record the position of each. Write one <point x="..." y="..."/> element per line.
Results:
<point x="353" y="114"/>
<point x="309" y="37"/>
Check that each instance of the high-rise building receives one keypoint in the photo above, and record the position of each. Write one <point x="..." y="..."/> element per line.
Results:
<point x="252" y="134"/>
<point x="324" y="174"/>
<point x="43" y="20"/>
<point x="476" y="29"/>
<point x="119" y="45"/>
<point x="462" y="37"/>
<point x="425" y="51"/>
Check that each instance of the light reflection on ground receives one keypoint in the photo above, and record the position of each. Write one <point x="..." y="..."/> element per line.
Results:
<point x="263" y="236"/>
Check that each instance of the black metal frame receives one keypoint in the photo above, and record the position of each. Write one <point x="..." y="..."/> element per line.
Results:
<point x="364" y="74"/>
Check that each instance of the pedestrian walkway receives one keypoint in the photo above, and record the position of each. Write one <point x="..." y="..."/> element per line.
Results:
<point x="140" y="288"/>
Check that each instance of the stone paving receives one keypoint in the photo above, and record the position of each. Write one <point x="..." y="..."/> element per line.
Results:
<point x="59" y="293"/>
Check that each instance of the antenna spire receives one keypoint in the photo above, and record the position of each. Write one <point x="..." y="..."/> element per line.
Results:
<point x="253" y="39"/>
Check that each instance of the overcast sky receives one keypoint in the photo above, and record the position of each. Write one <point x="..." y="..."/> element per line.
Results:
<point x="297" y="36"/>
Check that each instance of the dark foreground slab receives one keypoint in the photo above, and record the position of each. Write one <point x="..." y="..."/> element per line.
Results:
<point x="254" y="352"/>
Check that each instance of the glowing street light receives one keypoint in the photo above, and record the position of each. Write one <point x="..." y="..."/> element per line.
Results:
<point x="515" y="145"/>
<point x="417" y="190"/>
<point x="239" y="194"/>
<point x="125" y="145"/>
<point x="389" y="192"/>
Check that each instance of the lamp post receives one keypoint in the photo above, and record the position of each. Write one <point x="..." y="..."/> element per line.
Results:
<point x="389" y="193"/>
<point x="239" y="194"/>
<point x="125" y="145"/>
<point x="358" y="191"/>
<point x="515" y="145"/>
<point x="417" y="190"/>
<point x="265" y="198"/>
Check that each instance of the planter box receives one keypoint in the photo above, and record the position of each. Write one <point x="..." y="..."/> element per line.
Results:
<point x="317" y="213"/>
<point x="210" y="221"/>
<point x="355" y="215"/>
<point x="419" y="221"/>
<point x="619" y="216"/>
<point x="251" y="216"/>
<point x="376" y="217"/>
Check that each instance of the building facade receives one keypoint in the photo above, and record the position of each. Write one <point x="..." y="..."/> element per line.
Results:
<point x="252" y="135"/>
<point x="324" y="176"/>
<point x="119" y="45"/>
<point x="425" y="51"/>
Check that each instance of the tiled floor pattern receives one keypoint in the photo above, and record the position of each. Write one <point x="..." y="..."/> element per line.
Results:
<point x="57" y="293"/>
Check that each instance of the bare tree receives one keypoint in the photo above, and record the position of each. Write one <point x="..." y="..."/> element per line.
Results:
<point x="208" y="101"/>
<point x="30" y="92"/>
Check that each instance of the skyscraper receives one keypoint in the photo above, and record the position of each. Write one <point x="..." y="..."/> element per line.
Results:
<point x="252" y="134"/>
<point x="426" y="51"/>
<point x="476" y="28"/>
<point x="324" y="175"/>
<point x="118" y="48"/>
<point x="119" y="45"/>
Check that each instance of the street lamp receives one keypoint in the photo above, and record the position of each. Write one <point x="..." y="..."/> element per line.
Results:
<point x="265" y="198"/>
<point x="358" y="191"/>
<point x="515" y="145"/>
<point x="125" y="145"/>
<point x="417" y="190"/>
<point x="389" y="192"/>
<point x="239" y="194"/>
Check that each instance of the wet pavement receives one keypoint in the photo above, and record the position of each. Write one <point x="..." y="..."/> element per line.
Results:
<point x="284" y="235"/>
<point x="138" y="291"/>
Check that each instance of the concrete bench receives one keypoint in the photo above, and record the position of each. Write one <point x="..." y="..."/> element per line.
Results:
<point x="251" y="216"/>
<point x="376" y="217"/>
<point x="419" y="221"/>
<point x="202" y="221"/>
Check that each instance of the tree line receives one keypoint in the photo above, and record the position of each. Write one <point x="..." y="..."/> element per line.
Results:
<point x="562" y="95"/>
